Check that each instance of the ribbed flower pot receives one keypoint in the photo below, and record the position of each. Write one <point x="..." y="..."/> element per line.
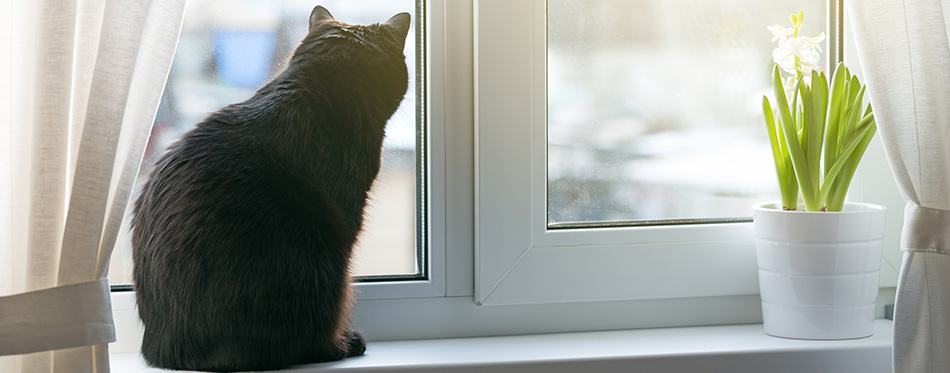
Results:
<point x="818" y="271"/>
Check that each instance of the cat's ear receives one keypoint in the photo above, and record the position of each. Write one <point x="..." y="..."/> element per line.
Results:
<point x="319" y="15"/>
<point x="400" y="23"/>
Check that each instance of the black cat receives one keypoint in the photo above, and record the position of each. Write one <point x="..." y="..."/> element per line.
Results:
<point x="243" y="234"/>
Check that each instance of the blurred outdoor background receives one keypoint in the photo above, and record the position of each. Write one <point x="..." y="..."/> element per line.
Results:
<point x="228" y="49"/>
<point x="655" y="106"/>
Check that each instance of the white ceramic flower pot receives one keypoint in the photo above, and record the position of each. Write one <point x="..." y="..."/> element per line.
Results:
<point x="818" y="271"/>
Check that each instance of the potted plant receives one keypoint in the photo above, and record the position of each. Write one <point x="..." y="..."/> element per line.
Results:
<point x="818" y="260"/>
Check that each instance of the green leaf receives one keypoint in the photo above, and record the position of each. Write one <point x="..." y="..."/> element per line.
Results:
<point x="833" y="116"/>
<point x="786" y="180"/>
<point x="816" y="127"/>
<point x="846" y="160"/>
<point x="840" y="189"/>
<point x="846" y="100"/>
<point x="854" y="116"/>
<point x="794" y="146"/>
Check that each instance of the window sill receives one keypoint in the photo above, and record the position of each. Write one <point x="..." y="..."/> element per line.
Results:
<point x="732" y="348"/>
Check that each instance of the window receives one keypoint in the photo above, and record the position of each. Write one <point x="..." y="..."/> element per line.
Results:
<point x="654" y="108"/>
<point x="523" y="83"/>
<point x="228" y="49"/>
<point x="496" y="266"/>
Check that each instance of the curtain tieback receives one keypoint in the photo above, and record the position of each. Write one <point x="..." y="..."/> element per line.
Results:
<point x="56" y="318"/>
<point x="926" y="230"/>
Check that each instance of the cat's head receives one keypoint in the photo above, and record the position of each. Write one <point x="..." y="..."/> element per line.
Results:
<point x="373" y="53"/>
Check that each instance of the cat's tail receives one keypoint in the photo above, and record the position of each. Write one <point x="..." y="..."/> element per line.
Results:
<point x="355" y="344"/>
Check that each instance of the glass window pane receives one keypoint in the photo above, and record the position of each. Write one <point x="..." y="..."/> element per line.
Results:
<point x="654" y="107"/>
<point x="229" y="48"/>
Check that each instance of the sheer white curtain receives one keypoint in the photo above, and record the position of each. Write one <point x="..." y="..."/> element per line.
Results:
<point x="80" y="82"/>
<point x="903" y="48"/>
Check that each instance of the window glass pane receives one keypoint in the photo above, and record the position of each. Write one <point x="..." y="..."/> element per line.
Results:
<point x="229" y="48"/>
<point x="654" y="107"/>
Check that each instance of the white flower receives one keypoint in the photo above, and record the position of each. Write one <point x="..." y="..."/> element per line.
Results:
<point x="779" y="32"/>
<point x="798" y="54"/>
<point x="784" y="57"/>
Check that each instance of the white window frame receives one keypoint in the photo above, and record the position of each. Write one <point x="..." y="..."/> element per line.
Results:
<point x="494" y="269"/>
<point x="435" y="215"/>
<point x="520" y="261"/>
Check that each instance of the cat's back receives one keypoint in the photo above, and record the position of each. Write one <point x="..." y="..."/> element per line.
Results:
<point x="214" y="163"/>
<point x="223" y="179"/>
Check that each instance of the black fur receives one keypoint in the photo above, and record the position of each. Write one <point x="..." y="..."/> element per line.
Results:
<point x="243" y="234"/>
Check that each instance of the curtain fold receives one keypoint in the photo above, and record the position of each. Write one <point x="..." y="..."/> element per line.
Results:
<point x="56" y="318"/>
<point x="81" y="82"/>
<point x="904" y="52"/>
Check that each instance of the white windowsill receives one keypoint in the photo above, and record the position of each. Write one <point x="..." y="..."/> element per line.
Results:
<point x="732" y="348"/>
